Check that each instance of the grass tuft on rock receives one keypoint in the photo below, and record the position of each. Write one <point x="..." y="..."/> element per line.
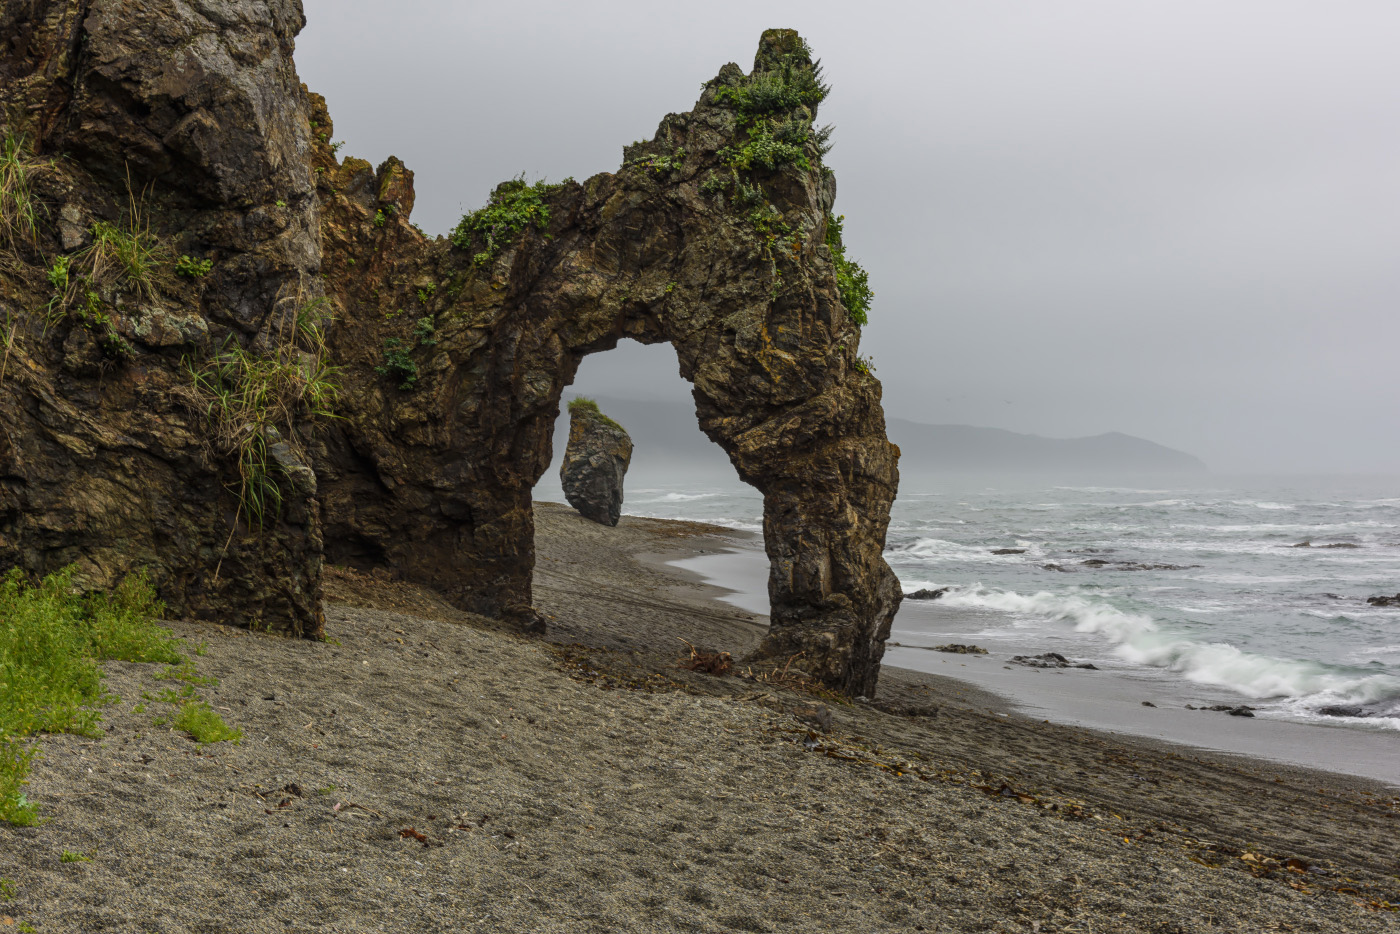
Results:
<point x="584" y="406"/>
<point x="51" y="639"/>
<point x="19" y="208"/>
<point x="254" y="401"/>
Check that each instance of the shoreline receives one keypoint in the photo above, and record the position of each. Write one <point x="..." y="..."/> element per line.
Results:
<point x="1107" y="701"/>
<point x="425" y="770"/>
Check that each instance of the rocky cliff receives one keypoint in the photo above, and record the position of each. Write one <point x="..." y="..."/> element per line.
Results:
<point x="200" y="259"/>
<point x="595" y="463"/>
<point x="136" y="134"/>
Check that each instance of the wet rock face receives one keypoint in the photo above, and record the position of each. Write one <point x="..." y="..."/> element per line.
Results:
<point x="710" y="237"/>
<point x="595" y="463"/>
<point x="184" y="123"/>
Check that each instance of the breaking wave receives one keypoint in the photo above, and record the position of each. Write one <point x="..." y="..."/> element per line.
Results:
<point x="1140" y="640"/>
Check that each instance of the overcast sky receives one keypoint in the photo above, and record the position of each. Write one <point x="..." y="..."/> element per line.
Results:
<point x="1179" y="220"/>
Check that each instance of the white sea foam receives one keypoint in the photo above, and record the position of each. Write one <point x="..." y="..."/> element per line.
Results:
<point x="1140" y="640"/>
<point x="724" y="522"/>
<point x="938" y="549"/>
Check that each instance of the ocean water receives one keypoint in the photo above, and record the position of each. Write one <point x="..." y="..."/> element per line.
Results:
<point x="1200" y="588"/>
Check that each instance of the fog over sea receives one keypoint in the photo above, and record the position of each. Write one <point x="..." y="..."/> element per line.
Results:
<point x="1199" y="593"/>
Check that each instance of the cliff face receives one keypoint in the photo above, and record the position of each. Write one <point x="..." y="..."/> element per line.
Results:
<point x="158" y="425"/>
<point x="140" y="133"/>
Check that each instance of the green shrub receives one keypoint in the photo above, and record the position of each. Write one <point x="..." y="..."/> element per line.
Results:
<point x="426" y="332"/>
<point x="765" y="151"/>
<point x="514" y="205"/>
<point x="192" y="268"/>
<point x="795" y="81"/>
<point x="51" y="639"/>
<point x="852" y="281"/>
<point x="660" y="164"/>
<point x="398" y="364"/>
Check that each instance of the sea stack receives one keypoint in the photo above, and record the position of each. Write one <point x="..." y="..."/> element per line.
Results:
<point x="595" y="462"/>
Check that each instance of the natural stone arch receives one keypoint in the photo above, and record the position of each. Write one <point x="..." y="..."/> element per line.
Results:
<point x="728" y="263"/>
<point x="708" y="237"/>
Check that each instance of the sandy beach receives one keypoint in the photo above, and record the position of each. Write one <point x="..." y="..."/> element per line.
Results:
<point x="425" y="771"/>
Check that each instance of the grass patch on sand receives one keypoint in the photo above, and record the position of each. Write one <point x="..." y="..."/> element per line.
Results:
<point x="51" y="639"/>
<point x="202" y="722"/>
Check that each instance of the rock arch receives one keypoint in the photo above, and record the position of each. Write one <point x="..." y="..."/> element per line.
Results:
<point x="455" y="357"/>
<point x="714" y="236"/>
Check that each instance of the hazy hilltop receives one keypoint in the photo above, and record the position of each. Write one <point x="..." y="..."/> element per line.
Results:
<point x="666" y="435"/>
<point x="968" y="447"/>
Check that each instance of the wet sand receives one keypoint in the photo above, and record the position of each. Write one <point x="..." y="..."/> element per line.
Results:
<point x="425" y="771"/>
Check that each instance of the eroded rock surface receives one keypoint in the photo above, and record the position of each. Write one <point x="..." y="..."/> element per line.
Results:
<point x="595" y="463"/>
<point x="180" y="128"/>
<point x="715" y="239"/>
<point x="186" y="123"/>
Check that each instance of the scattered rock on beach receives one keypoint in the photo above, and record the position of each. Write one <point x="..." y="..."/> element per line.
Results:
<point x="595" y="463"/>
<point x="1049" y="660"/>
<point x="1384" y="601"/>
<point x="817" y="716"/>
<point x="954" y="647"/>
<point x="1234" y="710"/>
<point x="1343" y="710"/>
<point x="926" y="594"/>
<point x="959" y="649"/>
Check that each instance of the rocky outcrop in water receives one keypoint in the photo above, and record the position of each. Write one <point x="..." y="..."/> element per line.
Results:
<point x="164" y="414"/>
<point x="595" y="463"/>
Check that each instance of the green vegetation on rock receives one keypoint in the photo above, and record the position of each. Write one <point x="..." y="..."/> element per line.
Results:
<point x="51" y="638"/>
<point x="796" y="81"/>
<point x="398" y="364"/>
<point x="125" y="257"/>
<point x="514" y="205"/>
<point x="192" y="268"/>
<point x="19" y="209"/>
<point x="765" y="150"/>
<point x="778" y="106"/>
<point x="253" y="402"/>
<point x="584" y="406"/>
<point x="851" y="280"/>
